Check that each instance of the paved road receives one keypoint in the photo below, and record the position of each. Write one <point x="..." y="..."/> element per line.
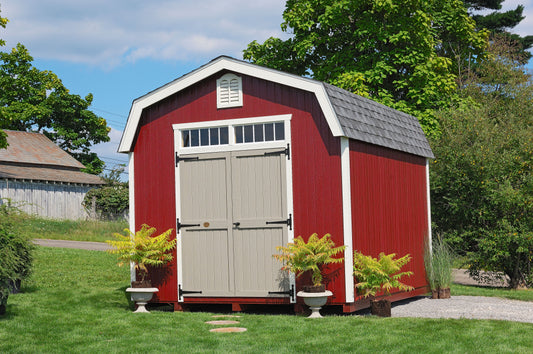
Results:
<point x="92" y="246"/>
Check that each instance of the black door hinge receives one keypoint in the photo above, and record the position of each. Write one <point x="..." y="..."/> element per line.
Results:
<point x="288" y="292"/>
<point x="178" y="159"/>
<point x="180" y="225"/>
<point x="286" y="151"/>
<point x="182" y="292"/>
<point x="288" y="222"/>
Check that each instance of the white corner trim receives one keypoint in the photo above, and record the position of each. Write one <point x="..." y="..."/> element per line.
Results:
<point x="428" y="201"/>
<point x="131" y="193"/>
<point x="347" y="219"/>
<point x="238" y="66"/>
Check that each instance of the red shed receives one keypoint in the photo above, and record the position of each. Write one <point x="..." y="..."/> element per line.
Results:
<point x="239" y="159"/>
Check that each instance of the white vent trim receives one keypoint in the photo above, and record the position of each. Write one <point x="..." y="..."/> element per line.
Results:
<point x="229" y="91"/>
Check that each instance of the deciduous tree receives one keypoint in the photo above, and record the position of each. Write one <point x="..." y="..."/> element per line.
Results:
<point x="36" y="100"/>
<point x="482" y="178"/>
<point x="396" y="52"/>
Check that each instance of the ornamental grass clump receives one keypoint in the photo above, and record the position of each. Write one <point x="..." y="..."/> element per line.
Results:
<point x="438" y="263"/>
<point x="300" y="256"/>
<point x="383" y="274"/>
<point x="142" y="249"/>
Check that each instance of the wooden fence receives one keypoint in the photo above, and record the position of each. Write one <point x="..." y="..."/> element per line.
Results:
<point x="46" y="199"/>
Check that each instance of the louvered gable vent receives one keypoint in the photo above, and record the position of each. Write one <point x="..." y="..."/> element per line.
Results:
<point x="229" y="91"/>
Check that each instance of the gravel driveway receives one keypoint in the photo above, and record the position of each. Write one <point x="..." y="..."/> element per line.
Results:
<point x="471" y="307"/>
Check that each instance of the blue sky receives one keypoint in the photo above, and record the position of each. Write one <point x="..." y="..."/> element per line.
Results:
<point x="119" y="50"/>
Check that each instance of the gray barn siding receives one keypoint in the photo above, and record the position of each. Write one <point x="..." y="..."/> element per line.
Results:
<point x="49" y="200"/>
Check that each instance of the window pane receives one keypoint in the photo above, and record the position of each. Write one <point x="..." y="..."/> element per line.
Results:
<point x="280" y="131"/>
<point x="195" y="139"/>
<point x="185" y="138"/>
<point x="238" y="135"/>
<point x="214" y="136"/>
<point x="269" y="132"/>
<point x="258" y="130"/>
<point x="204" y="137"/>
<point x="248" y="133"/>
<point x="224" y="136"/>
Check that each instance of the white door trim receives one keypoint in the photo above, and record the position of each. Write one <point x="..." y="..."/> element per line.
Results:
<point x="232" y="146"/>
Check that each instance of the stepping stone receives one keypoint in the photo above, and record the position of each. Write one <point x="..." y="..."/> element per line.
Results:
<point x="222" y="322"/>
<point x="224" y="316"/>
<point x="228" y="329"/>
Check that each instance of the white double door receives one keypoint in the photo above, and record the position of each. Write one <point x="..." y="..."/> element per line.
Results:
<point x="233" y="214"/>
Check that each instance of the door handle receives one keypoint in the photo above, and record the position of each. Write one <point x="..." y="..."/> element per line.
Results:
<point x="236" y="224"/>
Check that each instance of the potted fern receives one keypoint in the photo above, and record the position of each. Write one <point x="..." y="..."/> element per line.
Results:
<point x="300" y="257"/>
<point x="142" y="250"/>
<point x="374" y="275"/>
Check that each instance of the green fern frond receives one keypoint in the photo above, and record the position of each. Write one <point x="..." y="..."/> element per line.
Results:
<point x="300" y="256"/>
<point x="142" y="249"/>
<point x="383" y="274"/>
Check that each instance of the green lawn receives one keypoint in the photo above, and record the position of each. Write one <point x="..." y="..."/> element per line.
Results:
<point x="75" y="302"/>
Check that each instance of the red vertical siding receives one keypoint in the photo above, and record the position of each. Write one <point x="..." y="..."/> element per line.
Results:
<point x="315" y="162"/>
<point x="389" y="204"/>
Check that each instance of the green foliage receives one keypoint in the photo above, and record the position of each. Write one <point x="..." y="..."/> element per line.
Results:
<point x="111" y="200"/>
<point x="143" y="249"/>
<point x="402" y="53"/>
<point x="503" y="250"/>
<point x="383" y="274"/>
<point x="16" y="249"/>
<point x="300" y="256"/>
<point x="439" y="264"/>
<point x="35" y="100"/>
<point x="482" y="178"/>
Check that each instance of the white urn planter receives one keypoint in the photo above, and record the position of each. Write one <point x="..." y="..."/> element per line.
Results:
<point x="141" y="296"/>
<point x="315" y="301"/>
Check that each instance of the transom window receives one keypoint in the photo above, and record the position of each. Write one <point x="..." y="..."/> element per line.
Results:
<point x="227" y="135"/>
<point x="205" y="137"/>
<point x="255" y="133"/>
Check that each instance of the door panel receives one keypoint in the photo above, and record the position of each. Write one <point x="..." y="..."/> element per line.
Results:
<point x="258" y="189"/>
<point x="206" y="262"/>
<point x="207" y="247"/>
<point x="232" y="196"/>
<point x="257" y="272"/>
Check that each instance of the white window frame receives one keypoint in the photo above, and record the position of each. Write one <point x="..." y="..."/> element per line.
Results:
<point x="231" y="124"/>
<point x="229" y="77"/>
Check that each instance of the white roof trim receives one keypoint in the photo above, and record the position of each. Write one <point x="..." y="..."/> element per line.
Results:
<point x="238" y="66"/>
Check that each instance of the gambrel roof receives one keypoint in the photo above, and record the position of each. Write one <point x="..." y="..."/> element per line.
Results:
<point x="32" y="156"/>
<point x="347" y="114"/>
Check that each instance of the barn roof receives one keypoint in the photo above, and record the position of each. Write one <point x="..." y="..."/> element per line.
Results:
<point x="347" y="114"/>
<point x="33" y="156"/>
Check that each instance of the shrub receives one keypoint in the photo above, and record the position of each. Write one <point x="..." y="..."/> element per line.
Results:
<point x="142" y="249"/>
<point x="374" y="275"/>
<point x="300" y="256"/>
<point x="505" y="250"/>
<point x="16" y="255"/>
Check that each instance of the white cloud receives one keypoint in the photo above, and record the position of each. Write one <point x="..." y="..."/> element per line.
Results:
<point x="107" y="33"/>
<point x="108" y="151"/>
